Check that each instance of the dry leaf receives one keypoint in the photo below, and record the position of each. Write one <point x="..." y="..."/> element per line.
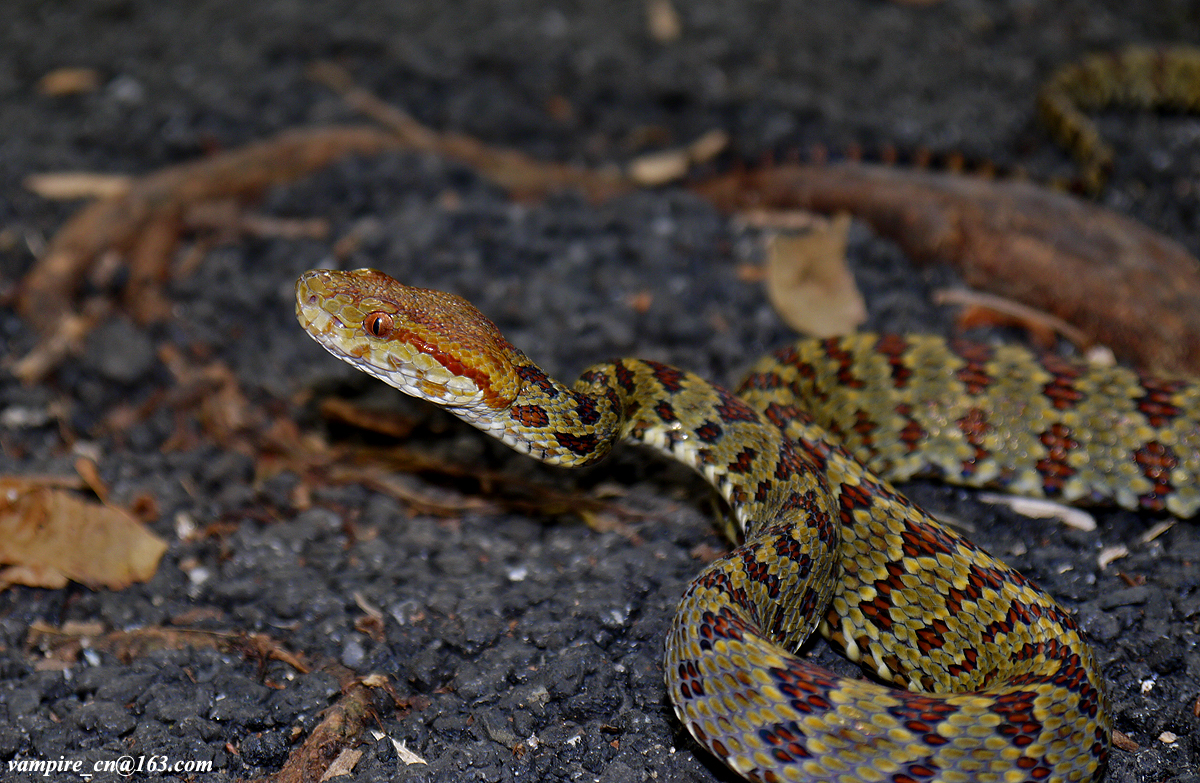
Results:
<point x="809" y="284"/>
<point x="141" y="227"/>
<point x="405" y="755"/>
<point x="663" y="21"/>
<point x="1110" y="553"/>
<point x="984" y="309"/>
<point x="659" y="168"/>
<point x="1123" y="742"/>
<point x="1041" y="508"/>
<point x="90" y="474"/>
<point x="343" y="764"/>
<point x="68" y="81"/>
<point x="48" y="536"/>
<point x="1157" y="530"/>
<point x="64" y="185"/>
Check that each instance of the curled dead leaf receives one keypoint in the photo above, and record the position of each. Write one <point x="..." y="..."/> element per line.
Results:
<point x="808" y="282"/>
<point x="49" y="536"/>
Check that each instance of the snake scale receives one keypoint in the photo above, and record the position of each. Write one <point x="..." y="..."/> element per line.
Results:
<point x="996" y="681"/>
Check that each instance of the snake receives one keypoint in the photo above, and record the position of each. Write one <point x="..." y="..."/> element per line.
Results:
<point x="1135" y="77"/>
<point x="974" y="673"/>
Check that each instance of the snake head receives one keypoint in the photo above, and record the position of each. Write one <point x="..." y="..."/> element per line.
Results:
<point x="429" y="344"/>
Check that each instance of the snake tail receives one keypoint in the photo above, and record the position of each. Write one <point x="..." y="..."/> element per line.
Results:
<point x="1136" y="77"/>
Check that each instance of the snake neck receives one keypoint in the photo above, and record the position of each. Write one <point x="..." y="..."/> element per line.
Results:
<point x="757" y="470"/>
<point x="550" y="421"/>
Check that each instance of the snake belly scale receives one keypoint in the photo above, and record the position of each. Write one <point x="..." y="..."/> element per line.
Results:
<point x="995" y="681"/>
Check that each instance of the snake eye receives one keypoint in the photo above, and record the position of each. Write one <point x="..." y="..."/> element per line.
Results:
<point x="378" y="325"/>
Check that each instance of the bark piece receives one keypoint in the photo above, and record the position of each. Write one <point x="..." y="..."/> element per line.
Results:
<point x="157" y="201"/>
<point x="1124" y="284"/>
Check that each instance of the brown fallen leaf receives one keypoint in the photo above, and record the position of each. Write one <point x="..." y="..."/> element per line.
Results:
<point x="662" y="20"/>
<point x="808" y="282"/>
<point x="49" y="536"/>
<point x="342" y="765"/>
<point x="65" y="185"/>
<point x="1124" y="742"/>
<point x="212" y="397"/>
<point x="1125" y="285"/>
<point x="69" y="81"/>
<point x="57" y="482"/>
<point x="90" y="474"/>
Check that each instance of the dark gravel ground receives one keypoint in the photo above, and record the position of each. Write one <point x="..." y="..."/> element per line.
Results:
<point x="535" y="643"/>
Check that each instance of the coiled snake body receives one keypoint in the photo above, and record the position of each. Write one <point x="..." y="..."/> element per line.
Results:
<point x="999" y="683"/>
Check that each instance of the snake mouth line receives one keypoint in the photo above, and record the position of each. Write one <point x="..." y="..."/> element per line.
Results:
<point x="400" y="366"/>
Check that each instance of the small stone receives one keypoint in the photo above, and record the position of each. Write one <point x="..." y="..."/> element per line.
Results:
<point x="1131" y="596"/>
<point x="119" y="351"/>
